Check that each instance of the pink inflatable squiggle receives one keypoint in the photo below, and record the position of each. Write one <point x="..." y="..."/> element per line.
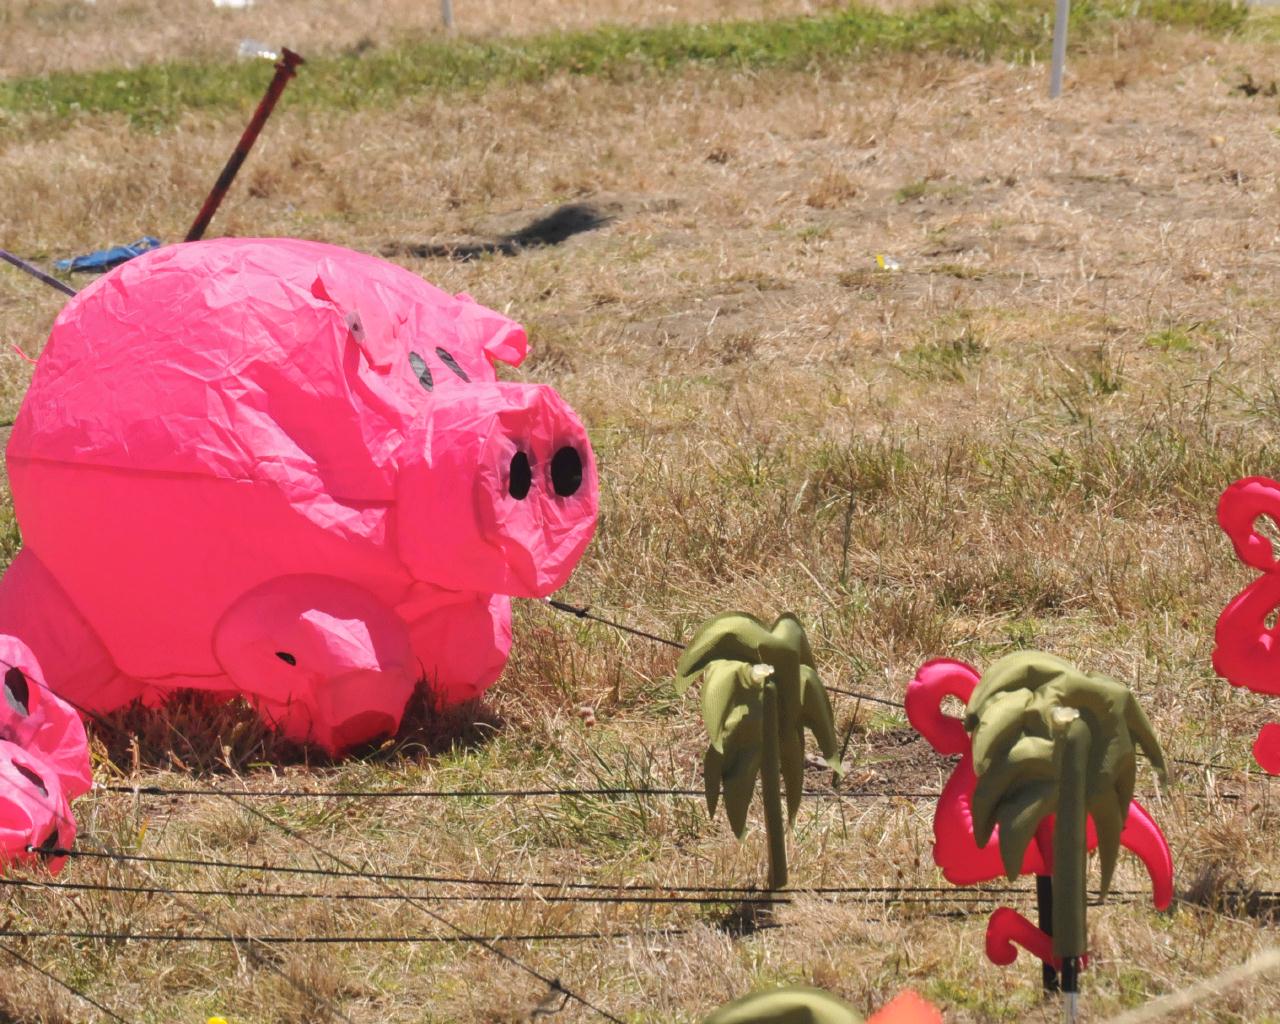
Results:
<point x="955" y="848"/>
<point x="1246" y="649"/>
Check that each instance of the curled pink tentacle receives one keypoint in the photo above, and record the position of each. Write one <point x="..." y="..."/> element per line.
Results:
<point x="1143" y="836"/>
<point x="937" y="680"/>
<point x="1007" y="929"/>
<point x="1238" y="510"/>
<point x="1246" y="651"/>
<point x="1266" y="749"/>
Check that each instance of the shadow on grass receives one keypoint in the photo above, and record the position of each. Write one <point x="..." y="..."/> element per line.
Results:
<point x="202" y="734"/>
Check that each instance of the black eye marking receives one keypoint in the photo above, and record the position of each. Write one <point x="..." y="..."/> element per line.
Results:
<point x="423" y="371"/>
<point x="566" y="471"/>
<point x="452" y="363"/>
<point x="521" y="476"/>
<point x="16" y="692"/>
<point x="286" y="657"/>
<point x="31" y="777"/>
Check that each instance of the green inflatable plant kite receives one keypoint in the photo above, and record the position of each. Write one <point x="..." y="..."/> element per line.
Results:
<point x="800" y="1004"/>
<point x="1049" y="739"/>
<point x="760" y="691"/>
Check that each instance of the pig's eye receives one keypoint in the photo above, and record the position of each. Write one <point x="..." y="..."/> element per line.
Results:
<point x="452" y="363"/>
<point x="286" y="657"/>
<point x="31" y="777"/>
<point x="16" y="692"/>
<point x="566" y="471"/>
<point x="521" y="478"/>
<point x="421" y="370"/>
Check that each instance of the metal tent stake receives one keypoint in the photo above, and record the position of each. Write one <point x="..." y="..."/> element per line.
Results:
<point x="285" y="70"/>
<point x="1070" y="988"/>
<point x="1059" y="48"/>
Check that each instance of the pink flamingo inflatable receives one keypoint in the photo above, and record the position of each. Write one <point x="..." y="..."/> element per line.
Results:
<point x="956" y="851"/>
<point x="1246" y="649"/>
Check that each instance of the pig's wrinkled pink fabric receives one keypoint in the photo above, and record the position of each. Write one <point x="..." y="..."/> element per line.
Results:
<point x="955" y="848"/>
<point x="44" y="761"/>
<point x="237" y="446"/>
<point x="1247" y="638"/>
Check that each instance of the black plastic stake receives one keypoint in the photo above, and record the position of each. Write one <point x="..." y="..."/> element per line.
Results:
<point x="1044" y="908"/>
<point x="1070" y="987"/>
<point x="285" y="70"/>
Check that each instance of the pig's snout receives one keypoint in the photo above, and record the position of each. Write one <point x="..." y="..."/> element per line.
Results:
<point x="498" y="492"/>
<point x="565" y="473"/>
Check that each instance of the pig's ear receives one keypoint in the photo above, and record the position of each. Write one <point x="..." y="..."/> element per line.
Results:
<point x="501" y="339"/>
<point x="366" y="310"/>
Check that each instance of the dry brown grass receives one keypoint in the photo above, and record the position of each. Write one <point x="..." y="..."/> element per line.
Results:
<point x="1032" y="421"/>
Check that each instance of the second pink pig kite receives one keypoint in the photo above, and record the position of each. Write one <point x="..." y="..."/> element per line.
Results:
<point x="289" y="471"/>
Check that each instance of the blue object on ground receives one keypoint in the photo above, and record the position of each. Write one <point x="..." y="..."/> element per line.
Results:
<point x="105" y="259"/>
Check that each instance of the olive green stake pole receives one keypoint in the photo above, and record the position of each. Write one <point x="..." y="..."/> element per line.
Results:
<point x="1070" y="844"/>
<point x="771" y="783"/>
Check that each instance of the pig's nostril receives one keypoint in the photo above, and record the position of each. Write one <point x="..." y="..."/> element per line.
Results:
<point x="32" y="777"/>
<point x="16" y="692"/>
<point x="521" y="478"/>
<point x="566" y="471"/>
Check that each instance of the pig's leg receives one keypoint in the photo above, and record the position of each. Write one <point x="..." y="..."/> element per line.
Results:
<point x="77" y="667"/>
<point x="462" y="646"/>
<point x="324" y="661"/>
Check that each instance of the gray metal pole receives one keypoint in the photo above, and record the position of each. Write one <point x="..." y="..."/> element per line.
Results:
<point x="1059" y="48"/>
<point x="446" y="14"/>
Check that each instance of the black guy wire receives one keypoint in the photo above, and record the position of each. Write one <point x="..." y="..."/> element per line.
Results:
<point x="552" y="983"/>
<point x="67" y="985"/>
<point x="902" y="894"/>
<point x="730" y="892"/>
<point x="322" y="940"/>
<point x="585" y="613"/>
<point x="606" y="791"/>
<point x="353" y="897"/>
<point x="495" y="794"/>
<point x="296" y="985"/>
<point x="330" y="940"/>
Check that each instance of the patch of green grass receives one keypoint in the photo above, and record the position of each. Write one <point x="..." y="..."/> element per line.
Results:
<point x="1180" y="337"/>
<point x="958" y="270"/>
<point x="913" y="190"/>
<point x="159" y="93"/>
<point x="945" y="359"/>
<point x="1219" y="16"/>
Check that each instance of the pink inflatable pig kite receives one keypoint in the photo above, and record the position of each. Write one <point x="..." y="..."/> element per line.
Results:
<point x="285" y="470"/>
<point x="44" y="760"/>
